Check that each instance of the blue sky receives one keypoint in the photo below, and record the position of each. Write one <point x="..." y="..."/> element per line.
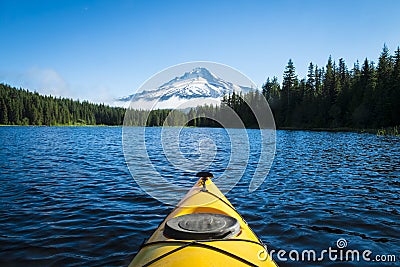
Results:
<point x="99" y="50"/>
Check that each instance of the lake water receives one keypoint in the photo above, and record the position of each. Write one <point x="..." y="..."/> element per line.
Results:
<point x="68" y="198"/>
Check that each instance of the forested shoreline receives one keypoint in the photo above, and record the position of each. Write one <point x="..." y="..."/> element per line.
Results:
<point x="21" y="107"/>
<point x="367" y="96"/>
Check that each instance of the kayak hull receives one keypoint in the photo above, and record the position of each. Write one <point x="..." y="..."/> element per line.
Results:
<point x="242" y="249"/>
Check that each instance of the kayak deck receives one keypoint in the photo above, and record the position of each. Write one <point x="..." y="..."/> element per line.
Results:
<point x="236" y="248"/>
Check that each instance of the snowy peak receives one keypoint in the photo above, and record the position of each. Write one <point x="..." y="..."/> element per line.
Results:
<point x="196" y="74"/>
<point x="199" y="83"/>
<point x="199" y="73"/>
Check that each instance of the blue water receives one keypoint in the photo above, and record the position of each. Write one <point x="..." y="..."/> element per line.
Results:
<point x="67" y="197"/>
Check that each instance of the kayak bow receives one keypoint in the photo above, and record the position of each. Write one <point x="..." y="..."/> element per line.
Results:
<point x="203" y="230"/>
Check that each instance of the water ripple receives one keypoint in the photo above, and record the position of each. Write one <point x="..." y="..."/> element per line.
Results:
<point x="67" y="197"/>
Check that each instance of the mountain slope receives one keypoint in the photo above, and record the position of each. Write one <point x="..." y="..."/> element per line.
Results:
<point x="199" y="84"/>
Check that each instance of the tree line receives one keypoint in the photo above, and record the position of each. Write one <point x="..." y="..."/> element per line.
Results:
<point x="205" y="115"/>
<point x="366" y="96"/>
<point x="333" y="96"/>
<point x="195" y="117"/>
<point x="21" y="107"/>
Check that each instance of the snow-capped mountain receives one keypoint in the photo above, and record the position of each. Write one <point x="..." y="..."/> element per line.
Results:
<point x="197" y="87"/>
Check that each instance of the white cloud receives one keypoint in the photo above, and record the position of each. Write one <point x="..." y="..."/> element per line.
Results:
<point x="44" y="81"/>
<point x="47" y="81"/>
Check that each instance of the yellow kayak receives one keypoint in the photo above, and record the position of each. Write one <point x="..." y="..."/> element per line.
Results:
<point x="203" y="230"/>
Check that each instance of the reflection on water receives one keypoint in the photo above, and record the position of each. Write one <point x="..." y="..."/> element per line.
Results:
<point x="67" y="197"/>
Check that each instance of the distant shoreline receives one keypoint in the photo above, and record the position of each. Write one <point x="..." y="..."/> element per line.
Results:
<point x="395" y="131"/>
<point x="383" y="131"/>
<point x="335" y="130"/>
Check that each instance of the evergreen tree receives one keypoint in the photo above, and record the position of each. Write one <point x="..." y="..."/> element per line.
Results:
<point x="3" y="113"/>
<point x="310" y="85"/>
<point x="396" y="88"/>
<point x="267" y="89"/>
<point x="344" y="91"/>
<point x="289" y="78"/>
<point x="384" y="101"/>
<point x="288" y="86"/>
<point x="318" y="80"/>
<point x="364" y="96"/>
<point x="329" y="91"/>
